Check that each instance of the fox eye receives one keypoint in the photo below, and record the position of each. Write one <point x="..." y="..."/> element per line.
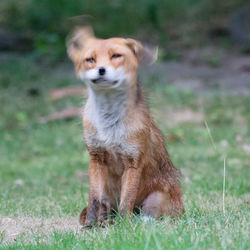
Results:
<point x="116" y="56"/>
<point x="90" y="60"/>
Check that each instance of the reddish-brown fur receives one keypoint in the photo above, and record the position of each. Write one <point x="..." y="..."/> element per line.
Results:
<point x="117" y="181"/>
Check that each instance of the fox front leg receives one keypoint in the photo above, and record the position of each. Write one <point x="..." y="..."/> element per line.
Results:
<point x="130" y="185"/>
<point x="92" y="215"/>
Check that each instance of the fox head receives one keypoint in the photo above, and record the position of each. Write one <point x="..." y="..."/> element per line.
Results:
<point x="107" y="63"/>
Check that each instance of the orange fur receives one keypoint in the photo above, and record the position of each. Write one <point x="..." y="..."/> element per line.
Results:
<point x="120" y="180"/>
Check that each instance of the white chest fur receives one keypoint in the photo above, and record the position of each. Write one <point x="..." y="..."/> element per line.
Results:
<point x="106" y="111"/>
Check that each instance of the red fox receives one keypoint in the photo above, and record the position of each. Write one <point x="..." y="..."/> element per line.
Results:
<point x="129" y="165"/>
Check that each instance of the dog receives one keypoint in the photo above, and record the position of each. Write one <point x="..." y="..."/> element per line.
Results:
<point x="129" y="165"/>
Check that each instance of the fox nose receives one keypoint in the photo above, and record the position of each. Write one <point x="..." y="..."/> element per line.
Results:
<point x="102" y="71"/>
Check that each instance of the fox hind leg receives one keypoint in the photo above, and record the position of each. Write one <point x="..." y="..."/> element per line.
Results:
<point x="158" y="203"/>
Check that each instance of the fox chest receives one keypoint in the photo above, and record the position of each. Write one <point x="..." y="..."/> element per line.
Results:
<point x="106" y="115"/>
<point x="112" y="140"/>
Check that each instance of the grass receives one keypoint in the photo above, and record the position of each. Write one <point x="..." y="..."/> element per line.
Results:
<point x="43" y="166"/>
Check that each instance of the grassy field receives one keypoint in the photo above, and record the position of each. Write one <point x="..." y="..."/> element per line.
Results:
<point x="43" y="167"/>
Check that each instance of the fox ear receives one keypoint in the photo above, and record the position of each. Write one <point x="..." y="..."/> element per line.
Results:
<point x="76" y="40"/>
<point x="143" y="54"/>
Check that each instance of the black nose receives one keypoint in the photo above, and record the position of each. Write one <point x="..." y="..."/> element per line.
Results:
<point x="102" y="71"/>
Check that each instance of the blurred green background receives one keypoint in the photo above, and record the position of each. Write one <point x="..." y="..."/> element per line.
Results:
<point x="169" y="23"/>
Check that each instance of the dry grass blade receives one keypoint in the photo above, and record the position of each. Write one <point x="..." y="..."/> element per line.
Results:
<point x="210" y="135"/>
<point x="67" y="113"/>
<point x="56" y="94"/>
<point x="224" y="184"/>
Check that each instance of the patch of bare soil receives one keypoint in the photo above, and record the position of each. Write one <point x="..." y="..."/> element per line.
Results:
<point x="185" y="115"/>
<point x="13" y="228"/>
<point x="205" y="69"/>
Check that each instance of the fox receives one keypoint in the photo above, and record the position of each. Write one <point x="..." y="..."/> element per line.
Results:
<point x="129" y="165"/>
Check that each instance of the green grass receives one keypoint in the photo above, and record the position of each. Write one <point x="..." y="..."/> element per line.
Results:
<point x="49" y="159"/>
